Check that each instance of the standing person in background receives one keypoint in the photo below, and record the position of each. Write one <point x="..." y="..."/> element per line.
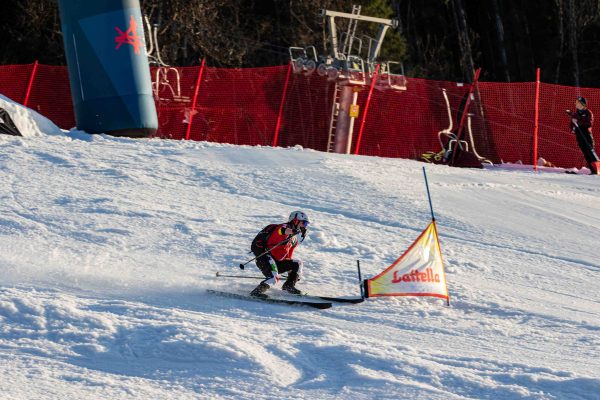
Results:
<point x="582" y="120"/>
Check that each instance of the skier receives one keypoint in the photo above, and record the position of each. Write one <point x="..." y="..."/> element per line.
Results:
<point x="274" y="247"/>
<point x="581" y="125"/>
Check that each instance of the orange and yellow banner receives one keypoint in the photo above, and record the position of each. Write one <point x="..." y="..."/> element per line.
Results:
<point x="418" y="272"/>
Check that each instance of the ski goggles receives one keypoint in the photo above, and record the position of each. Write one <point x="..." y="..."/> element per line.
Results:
<point x="303" y="223"/>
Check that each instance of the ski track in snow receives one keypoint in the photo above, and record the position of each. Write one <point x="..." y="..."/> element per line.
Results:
<point x="107" y="246"/>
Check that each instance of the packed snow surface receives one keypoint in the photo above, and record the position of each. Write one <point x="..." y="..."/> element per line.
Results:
<point x="108" y="245"/>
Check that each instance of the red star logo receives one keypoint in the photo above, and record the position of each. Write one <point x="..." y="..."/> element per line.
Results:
<point x="129" y="36"/>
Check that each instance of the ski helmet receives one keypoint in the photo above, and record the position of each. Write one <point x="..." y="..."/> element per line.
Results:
<point x="298" y="216"/>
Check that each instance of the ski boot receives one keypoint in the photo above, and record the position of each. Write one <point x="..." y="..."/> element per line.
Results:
<point x="260" y="290"/>
<point x="290" y="284"/>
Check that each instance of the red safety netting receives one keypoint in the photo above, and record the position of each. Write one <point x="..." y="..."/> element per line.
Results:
<point x="173" y="90"/>
<point x="238" y="106"/>
<point x="405" y="123"/>
<point x="242" y="106"/>
<point x="503" y="121"/>
<point x="306" y="112"/>
<point x="14" y="80"/>
<point x="557" y="143"/>
<point x="51" y="95"/>
<point x="504" y="117"/>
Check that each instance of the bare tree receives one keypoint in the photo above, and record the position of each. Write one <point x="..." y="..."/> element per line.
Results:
<point x="561" y="38"/>
<point x="462" y="29"/>
<point x="499" y="31"/>
<point x="31" y="31"/>
<point x="507" y="38"/>
<point x="572" y="35"/>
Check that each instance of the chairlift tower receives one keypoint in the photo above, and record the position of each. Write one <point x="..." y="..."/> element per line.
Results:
<point x="350" y="63"/>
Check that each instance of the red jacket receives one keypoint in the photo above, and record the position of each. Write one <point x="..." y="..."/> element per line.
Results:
<point x="284" y="251"/>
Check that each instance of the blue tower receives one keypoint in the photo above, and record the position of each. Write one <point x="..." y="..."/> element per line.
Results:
<point x="108" y="67"/>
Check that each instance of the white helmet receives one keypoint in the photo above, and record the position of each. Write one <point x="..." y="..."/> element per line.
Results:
<point x="298" y="216"/>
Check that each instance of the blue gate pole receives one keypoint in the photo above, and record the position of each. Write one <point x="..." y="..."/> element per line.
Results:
<point x="428" y="195"/>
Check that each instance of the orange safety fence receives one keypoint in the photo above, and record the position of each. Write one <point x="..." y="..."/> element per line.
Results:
<point x="247" y="107"/>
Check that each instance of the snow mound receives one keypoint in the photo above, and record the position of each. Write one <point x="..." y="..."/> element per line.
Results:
<point x="27" y="121"/>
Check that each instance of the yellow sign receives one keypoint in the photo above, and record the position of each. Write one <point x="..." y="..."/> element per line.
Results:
<point x="418" y="272"/>
<point x="354" y="108"/>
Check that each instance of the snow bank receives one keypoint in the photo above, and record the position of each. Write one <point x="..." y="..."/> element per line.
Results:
<point x="27" y="121"/>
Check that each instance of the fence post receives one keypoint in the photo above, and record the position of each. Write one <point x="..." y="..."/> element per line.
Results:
<point x="189" y="128"/>
<point x="30" y="84"/>
<point x="285" y="87"/>
<point x="536" y="124"/>
<point x="362" y="123"/>
<point x="464" y="114"/>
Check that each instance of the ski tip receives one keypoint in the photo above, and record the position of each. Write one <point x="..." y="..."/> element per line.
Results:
<point x="320" y="306"/>
<point x="349" y="300"/>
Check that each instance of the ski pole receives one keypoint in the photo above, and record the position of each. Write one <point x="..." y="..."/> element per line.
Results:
<point x="268" y="250"/>
<point x="220" y="275"/>
<point x="360" y="281"/>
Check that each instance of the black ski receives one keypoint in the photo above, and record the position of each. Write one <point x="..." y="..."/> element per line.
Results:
<point x="320" y="304"/>
<point x="353" y="300"/>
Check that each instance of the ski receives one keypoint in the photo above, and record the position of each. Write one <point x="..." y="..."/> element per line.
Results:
<point x="320" y="304"/>
<point x="353" y="300"/>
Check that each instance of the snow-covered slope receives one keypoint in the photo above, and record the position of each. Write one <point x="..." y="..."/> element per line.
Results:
<point x="107" y="247"/>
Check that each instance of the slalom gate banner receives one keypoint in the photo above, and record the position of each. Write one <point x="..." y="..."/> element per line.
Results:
<point x="418" y="272"/>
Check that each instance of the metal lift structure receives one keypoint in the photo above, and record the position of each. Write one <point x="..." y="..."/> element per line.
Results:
<point x="351" y="63"/>
<point x="166" y="78"/>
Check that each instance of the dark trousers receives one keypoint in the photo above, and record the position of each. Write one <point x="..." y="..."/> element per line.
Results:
<point x="585" y="140"/>
<point x="290" y="266"/>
